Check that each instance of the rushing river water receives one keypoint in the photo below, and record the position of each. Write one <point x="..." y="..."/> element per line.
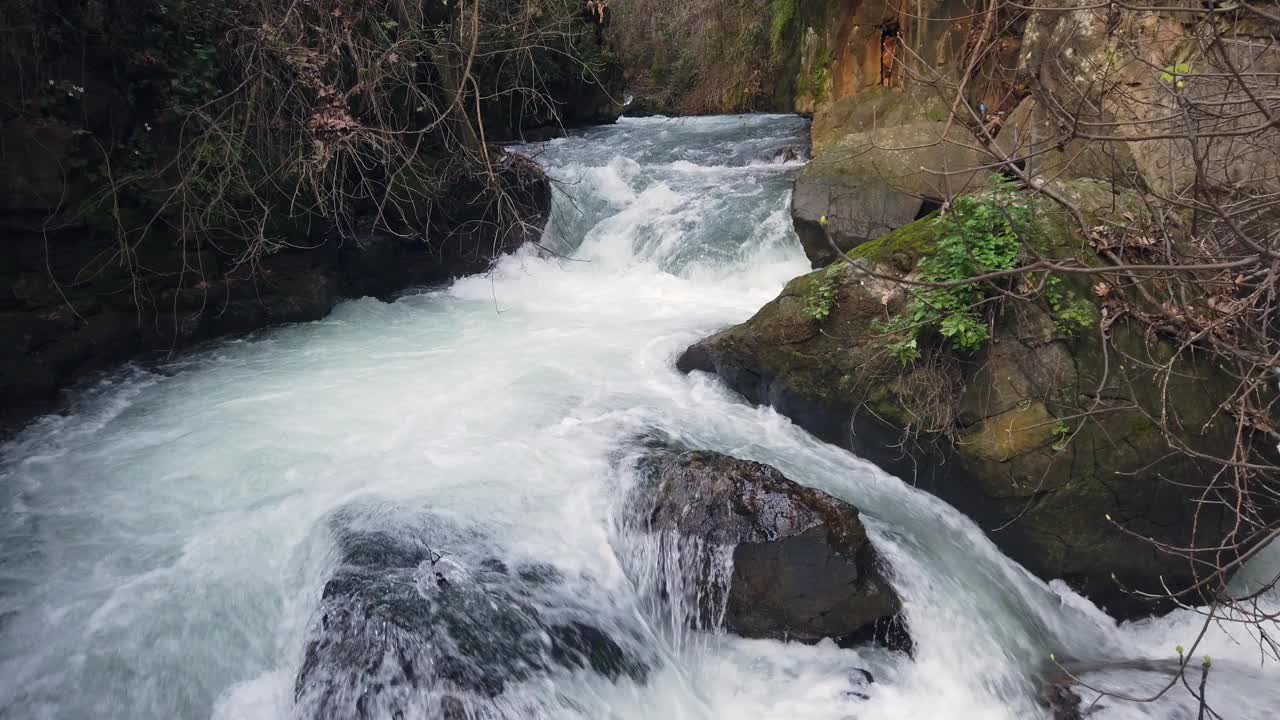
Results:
<point x="165" y="544"/>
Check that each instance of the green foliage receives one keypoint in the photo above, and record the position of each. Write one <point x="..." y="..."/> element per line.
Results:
<point x="821" y="297"/>
<point x="782" y="13"/>
<point x="905" y="351"/>
<point x="1061" y="434"/>
<point x="1176" y="74"/>
<point x="979" y="234"/>
<point x="1071" y="314"/>
<point x="814" y="82"/>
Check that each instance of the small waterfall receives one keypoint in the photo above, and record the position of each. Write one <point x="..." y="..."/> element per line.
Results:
<point x="682" y="584"/>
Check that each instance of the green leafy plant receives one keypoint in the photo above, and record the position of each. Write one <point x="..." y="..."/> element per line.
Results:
<point x="782" y="13"/>
<point x="977" y="235"/>
<point x="905" y="351"/>
<point x="1061" y="434"/>
<point x="821" y="297"/>
<point x="1071" y="313"/>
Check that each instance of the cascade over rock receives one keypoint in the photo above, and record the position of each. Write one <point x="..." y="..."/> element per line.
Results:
<point x="803" y="566"/>
<point x="408" y="626"/>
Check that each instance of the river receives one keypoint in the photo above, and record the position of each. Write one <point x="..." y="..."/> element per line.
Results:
<point x="165" y="543"/>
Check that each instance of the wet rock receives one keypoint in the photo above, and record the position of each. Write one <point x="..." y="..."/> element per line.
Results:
<point x="803" y="567"/>
<point x="860" y="679"/>
<point x="404" y="629"/>
<point x="1060" y="688"/>
<point x="789" y="154"/>
<point x="1062" y="701"/>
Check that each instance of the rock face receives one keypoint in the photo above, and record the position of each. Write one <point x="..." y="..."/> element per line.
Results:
<point x="803" y="567"/>
<point x="791" y="55"/>
<point x="998" y="434"/>
<point x="404" y="632"/>
<point x="1117" y="71"/>
<point x="872" y="182"/>
<point x="872" y="109"/>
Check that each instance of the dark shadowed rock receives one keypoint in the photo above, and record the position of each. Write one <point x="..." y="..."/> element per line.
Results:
<point x="1061" y="700"/>
<point x="64" y="311"/>
<point x="803" y="567"/>
<point x="404" y="632"/>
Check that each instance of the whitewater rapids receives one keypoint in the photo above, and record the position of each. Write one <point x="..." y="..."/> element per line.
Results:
<point x="163" y="545"/>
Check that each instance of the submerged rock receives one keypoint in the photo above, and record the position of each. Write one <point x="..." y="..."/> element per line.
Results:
<point x="406" y="631"/>
<point x="803" y="566"/>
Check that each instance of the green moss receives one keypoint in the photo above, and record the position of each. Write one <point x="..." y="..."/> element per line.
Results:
<point x="887" y="405"/>
<point x="911" y="241"/>
<point x="816" y="83"/>
<point x="1139" y="424"/>
<point x="1012" y="433"/>
<point x="822" y="79"/>
<point x="782" y="13"/>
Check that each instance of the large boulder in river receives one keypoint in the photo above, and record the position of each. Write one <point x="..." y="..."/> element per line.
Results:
<point x="408" y="627"/>
<point x="872" y="182"/>
<point x="803" y="566"/>
<point x="1050" y="443"/>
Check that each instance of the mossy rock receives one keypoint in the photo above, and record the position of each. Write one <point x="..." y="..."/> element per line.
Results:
<point x="901" y="248"/>
<point x="1012" y="433"/>
<point x="1038" y="440"/>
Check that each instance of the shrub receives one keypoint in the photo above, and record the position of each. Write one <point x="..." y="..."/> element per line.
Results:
<point x="978" y="234"/>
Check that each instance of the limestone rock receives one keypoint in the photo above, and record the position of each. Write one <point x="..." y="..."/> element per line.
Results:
<point x="1114" y="76"/>
<point x="868" y="110"/>
<point x="873" y="182"/>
